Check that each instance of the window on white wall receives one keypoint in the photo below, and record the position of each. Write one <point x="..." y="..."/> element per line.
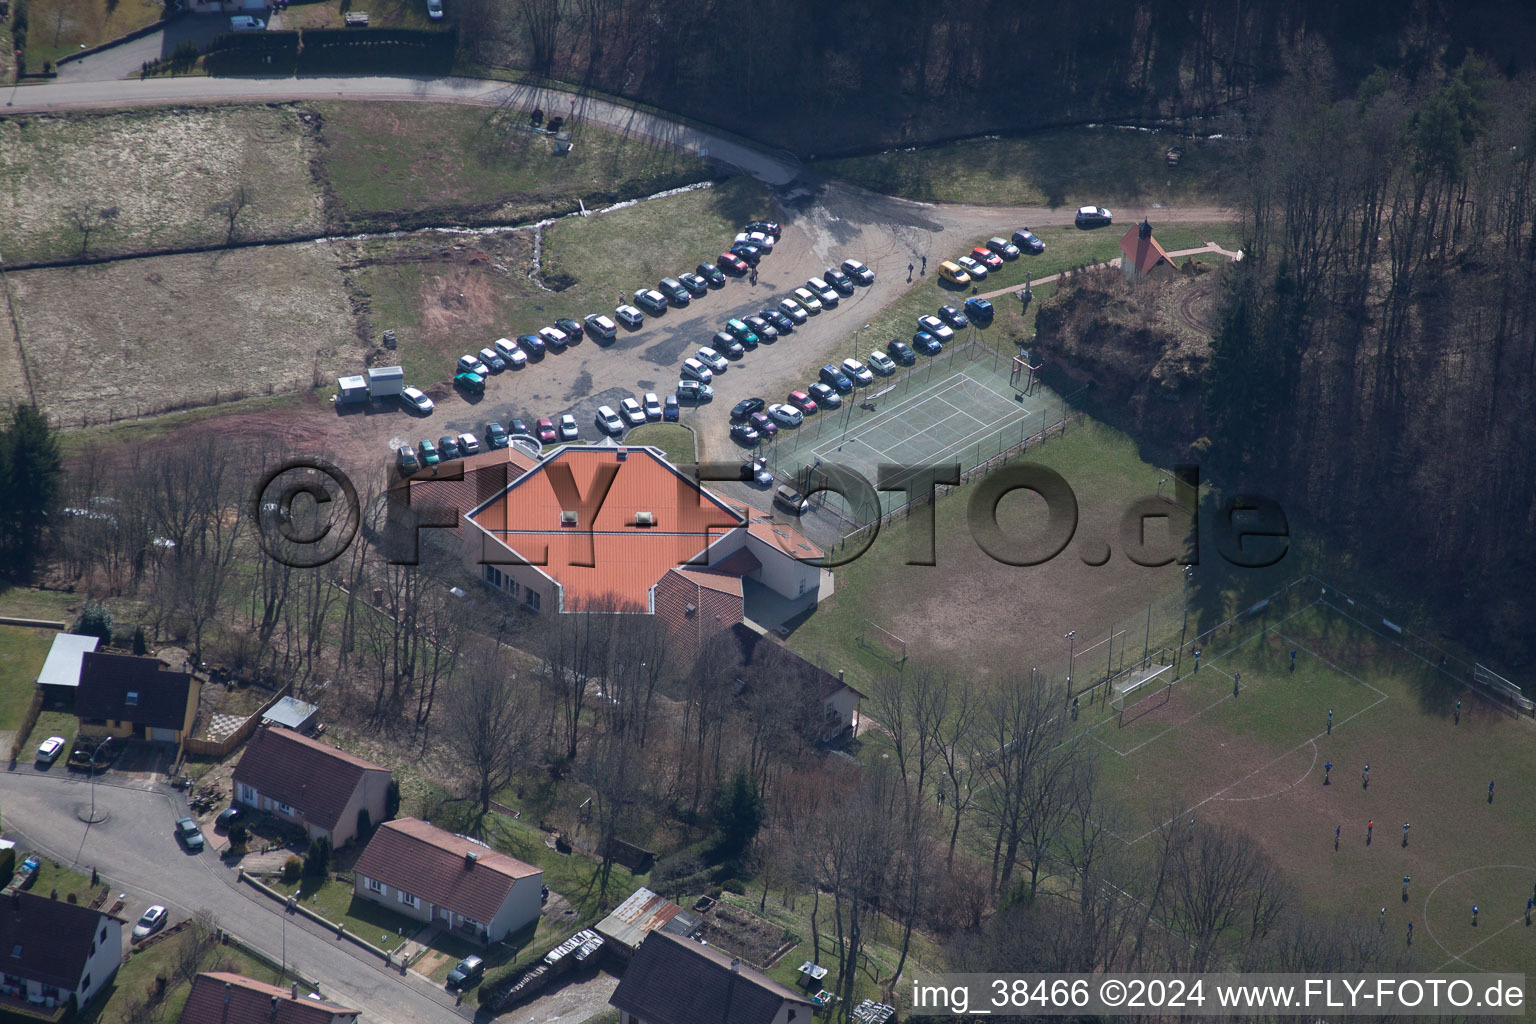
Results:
<point x="375" y="885"/>
<point x="408" y="899"/>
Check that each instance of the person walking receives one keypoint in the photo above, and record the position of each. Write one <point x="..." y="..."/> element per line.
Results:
<point x="1405" y="833"/>
<point x="1293" y="659"/>
<point x="1370" y="827"/>
<point x="1336" y="830"/>
<point x="925" y="264"/>
<point x="1383" y="919"/>
<point x="1406" y="880"/>
<point x="1410" y="933"/>
<point x="1474" y="915"/>
<point x="1327" y="769"/>
<point x="1237" y="677"/>
<point x="1490" y="791"/>
<point x="1330" y="721"/>
<point x="909" y="273"/>
<point x="1365" y="778"/>
<point x="1457" y="720"/>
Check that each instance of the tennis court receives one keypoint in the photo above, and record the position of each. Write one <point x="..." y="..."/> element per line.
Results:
<point x="961" y="407"/>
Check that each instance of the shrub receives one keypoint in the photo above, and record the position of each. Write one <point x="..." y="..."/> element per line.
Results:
<point x="318" y="858"/>
<point x="238" y="833"/>
<point x="392" y="800"/>
<point x="364" y="824"/>
<point x="735" y="887"/>
<point x="140" y="645"/>
<point x="95" y="621"/>
<point x="292" y="869"/>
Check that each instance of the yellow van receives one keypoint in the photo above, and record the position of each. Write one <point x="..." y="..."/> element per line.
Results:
<point x="954" y="273"/>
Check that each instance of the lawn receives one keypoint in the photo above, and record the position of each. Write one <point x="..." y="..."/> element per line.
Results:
<point x="413" y="161"/>
<point x="53" y="876"/>
<point x="675" y="442"/>
<point x="51" y="723"/>
<point x="27" y="603"/>
<point x="335" y="902"/>
<point x="58" y="27"/>
<point x="119" y="435"/>
<point x="22" y="653"/>
<point x="1060" y="167"/>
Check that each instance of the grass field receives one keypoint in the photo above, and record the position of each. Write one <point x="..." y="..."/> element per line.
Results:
<point x="676" y="442"/>
<point x="22" y="653"/>
<point x="1062" y="167"/>
<point x="145" y="180"/>
<point x="334" y="901"/>
<point x="383" y="160"/>
<point x="59" y="27"/>
<point x="1257" y="761"/>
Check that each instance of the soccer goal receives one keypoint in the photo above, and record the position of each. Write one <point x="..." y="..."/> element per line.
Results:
<point x="1502" y="688"/>
<point x="1142" y="688"/>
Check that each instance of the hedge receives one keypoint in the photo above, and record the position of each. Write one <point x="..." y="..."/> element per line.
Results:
<point x="326" y="50"/>
<point x="267" y="53"/>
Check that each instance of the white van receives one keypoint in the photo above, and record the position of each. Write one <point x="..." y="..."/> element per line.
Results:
<point x="246" y="23"/>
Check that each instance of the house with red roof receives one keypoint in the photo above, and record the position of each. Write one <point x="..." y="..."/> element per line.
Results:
<point x="675" y="980"/>
<point x="311" y="784"/>
<point x="1140" y="255"/>
<point x="220" y="997"/>
<point x="423" y="872"/>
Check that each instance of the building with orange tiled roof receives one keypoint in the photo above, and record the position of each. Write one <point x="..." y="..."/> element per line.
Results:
<point x="1140" y="253"/>
<point x="620" y="527"/>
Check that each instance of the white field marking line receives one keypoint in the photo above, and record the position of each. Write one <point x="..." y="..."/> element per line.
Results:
<point x="1431" y="928"/>
<point x="955" y="409"/>
<point x="1341" y="671"/>
<point x="1285" y="789"/>
<point x="877" y="424"/>
<point x="1470" y="948"/>
<point x="939" y="391"/>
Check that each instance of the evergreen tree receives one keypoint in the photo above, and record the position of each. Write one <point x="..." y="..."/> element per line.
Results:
<point x="738" y="816"/>
<point x="30" y="486"/>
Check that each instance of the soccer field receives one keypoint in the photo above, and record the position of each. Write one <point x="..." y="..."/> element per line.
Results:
<point x="1257" y="760"/>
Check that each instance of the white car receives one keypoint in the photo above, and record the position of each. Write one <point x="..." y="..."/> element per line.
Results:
<point x="823" y="291"/>
<point x="469" y="444"/>
<point x="858" y="271"/>
<point x="150" y="923"/>
<point x="554" y="337"/>
<point x="794" y="311"/>
<point x="974" y="267"/>
<point x="714" y="360"/>
<point x="652" y="406"/>
<point x="936" y="327"/>
<point x="786" y="415"/>
<point x="472" y="364"/>
<point x="608" y="421"/>
<point x="762" y="240"/>
<point x="601" y="326"/>
<point x="631" y="411"/>
<point x="858" y="372"/>
<point x="761" y="474"/>
<point x="435" y="9"/>
<point x="415" y="399"/>
<point x="48" y="751"/>
<point x="507" y="348"/>
<point x="882" y="363"/>
<point x="569" y="431"/>
<point x="629" y="316"/>
<point x="698" y="371"/>
<point x="809" y="301"/>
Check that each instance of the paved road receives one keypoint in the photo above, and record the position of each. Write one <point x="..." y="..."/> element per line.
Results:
<point x="126" y="59"/>
<point x="134" y="847"/>
<point x="772" y="169"/>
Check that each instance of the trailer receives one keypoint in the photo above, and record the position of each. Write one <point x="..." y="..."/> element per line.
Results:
<point x="351" y="390"/>
<point x="385" y="382"/>
<point x="580" y="950"/>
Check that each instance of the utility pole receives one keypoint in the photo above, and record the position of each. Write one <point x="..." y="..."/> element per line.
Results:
<point x="1071" y="649"/>
<point x="1189" y="571"/>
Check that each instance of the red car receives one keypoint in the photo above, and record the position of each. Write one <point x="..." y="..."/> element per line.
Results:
<point x="987" y="257"/>
<point x="546" y="429"/>
<point x="802" y="401"/>
<point x="732" y="263"/>
<point x="765" y="426"/>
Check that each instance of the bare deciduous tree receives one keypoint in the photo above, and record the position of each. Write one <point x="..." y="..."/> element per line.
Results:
<point x="489" y="721"/>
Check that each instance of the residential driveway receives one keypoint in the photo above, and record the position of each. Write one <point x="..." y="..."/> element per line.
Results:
<point x="135" y="849"/>
<point x="123" y="61"/>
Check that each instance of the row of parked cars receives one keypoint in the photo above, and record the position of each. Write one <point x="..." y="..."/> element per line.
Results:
<point x="975" y="265"/>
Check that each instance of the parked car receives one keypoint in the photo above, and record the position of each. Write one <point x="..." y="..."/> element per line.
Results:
<point x="711" y="273"/>
<point x="469" y="444"/>
<point x="764" y="330"/>
<point x="973" y="267"/>
<point x="629" y="316"/>
<point x="492" y="359"/>
<point x="986" y="257"/>
<point x="695" y="284"/>
<point x="510" y="354"/>
<point x="954" y="273"/>
<point x="608" y="421"/>
<point x="722" y="341"/>
<point x="712" y="359"/>
<point x="631" y="412"/>
<point x="532" y="344"/>
<point x="839" y="280"/>
<point x="519" y="427"/>
<point x="405" y="461"/>
<point x="804" y="297"/>
<point x="467" y="974"/>
<point x="448" y="448"/>
<point x="792" y="309"/>
<point x="694" y="391"/>
<point x="435" y="10"/>
<point x="572" y="328"/>
<point x="554" y="338"/>
<point x="745" y="408"/>
<point x="676" y="294"/>
<point x="836" y="378"/>
<point x="470" y="364"/>
<point x="739" y="330"/>
<point x="826" y="397"/>
<point x="652" y="301"/>
<point x="745" y="433"/>
<point x="857" y="372"/>
<point x="247" y="23"/>
<point x="761" y="474"/>
<point x="782" y="323"/>
<point x="473" y="383"/>
<point x="791" y="500"/>
<point x="696" y="370"/>
<point x="1093" y="217"/>
<point x="496" y="436"/>
<point x="652" y="406"/>
<point x="190" y="835"/>
<point x="1026" y="241"/>
<point x="429" y="453"/>
<point x="763" y="424"/>
<point x="747" y="251"/>
<point x="415" y="400"/>
<point x="768" y="227"/>
<point x="569" y="431"/>
<point x="952" y="316"/>
<point x="152" y="921"/>
<point x="546" y="429"/>
<point x="936" y="327"/>
<point x="926" y="343"/>
<point x="823" y="291"/>
<point x="670" y="410"/>
<point x="802" y="401"/>
<point x="881" y="363"/>
<point x="48" y="751"/>
<point x="228" y="816"/>
<point x="858" y="271"/>
<point x="732" y="263"/>
<point x="601" y="326"/>
<point x="1004" y="248"/>
<point x="979" y="309"/>
<point x="901" y="352"/>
